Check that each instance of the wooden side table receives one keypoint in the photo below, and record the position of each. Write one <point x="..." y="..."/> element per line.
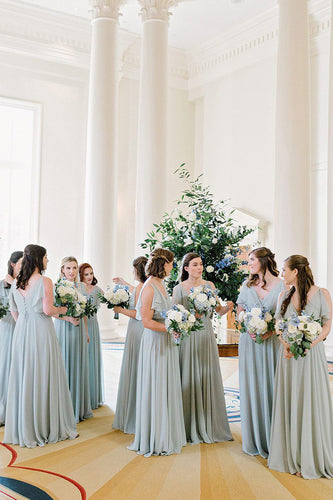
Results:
<point x="228" y="343"/>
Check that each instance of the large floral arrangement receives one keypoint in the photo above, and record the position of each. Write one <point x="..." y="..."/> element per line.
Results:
<point x="180" y="323"/>
<point x="118" y="295"/>
<point x="4" y="308"/>
<point x="201" y="225"/>
<point x="66" y="294"/>
<point x="256" y="321"/>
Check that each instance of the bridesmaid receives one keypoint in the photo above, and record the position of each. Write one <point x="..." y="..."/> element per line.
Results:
<point x="7" y="325"/>
<point x="302" y="420"/>
<point x="257" y="362"/>
<point x="96" y="378"/>
<point x="159" y="425"/>
<point x="73" y="338"/>
<point x="205" y="413"/>
<point x="39" y="407"/>
<point x="124" y="418"/>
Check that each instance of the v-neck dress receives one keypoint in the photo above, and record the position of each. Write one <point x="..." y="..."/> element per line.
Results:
<point x="124" y="418"/>
<point x="302" y="420"/>
<point x="257" y="364"/>
<point x="7" y="325"/>
<point x="74" y="349"/>
<point x="96" y="378"/>
<point x="205" y="414"/>
<point x="39" y="406"/>
<point x="159" y="425"/>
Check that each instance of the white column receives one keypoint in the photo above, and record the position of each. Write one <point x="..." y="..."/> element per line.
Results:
<point x="152" y="131"/>
<point x="329" y="341"/>
<point x="292" y="177"/>
<point x="100" y="201"/>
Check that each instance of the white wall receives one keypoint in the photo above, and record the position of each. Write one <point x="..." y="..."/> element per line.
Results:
<point x="239" y="138"/>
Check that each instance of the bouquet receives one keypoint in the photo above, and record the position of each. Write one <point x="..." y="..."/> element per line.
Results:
<point x="119" y="295"/>
<point x="258" y="321"/>
<point x="67" y="295"/>
<point x="299" y="332"/>
<point x="91" y="309"/>
<point x="4" y="308"/>
<point x="180" y="323"/>
<point x="203" y="299"/>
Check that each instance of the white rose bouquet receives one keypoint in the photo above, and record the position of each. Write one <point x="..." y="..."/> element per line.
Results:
<point x="256" y="321"/>
<point x="203" y="299"/>
<point x="180" y="323"/>
<point x="66" y="294"/>
<point x="299" y="332"/>
<point x="118" y="295"/>
<point x="4" y="308"/>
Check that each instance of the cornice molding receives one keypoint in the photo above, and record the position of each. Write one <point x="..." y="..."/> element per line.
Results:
<point x="64" y="39"/>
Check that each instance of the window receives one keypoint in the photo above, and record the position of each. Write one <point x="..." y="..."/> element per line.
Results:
<point x="20" y="125"/>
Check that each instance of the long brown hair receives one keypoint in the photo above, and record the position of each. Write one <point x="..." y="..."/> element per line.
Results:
<point x="13" y="259"/>
<point x="82" y="268"/>
<point x="304" y="281"/>
<point x="33" y="256"/>
<point x="140" y="264"/>
<point x="185" y="262"/>
<point x="267" y="262"/>
<point x="156" y="261"/>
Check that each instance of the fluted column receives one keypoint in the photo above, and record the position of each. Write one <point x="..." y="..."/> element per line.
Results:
<point x="329" y="341"/>
<point x="100" y="199"/>
<point x="152" y="130"/>
<point x="292" y="174"/>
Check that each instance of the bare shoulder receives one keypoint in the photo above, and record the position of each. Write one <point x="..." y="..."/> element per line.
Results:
<point x="47" y="281"/>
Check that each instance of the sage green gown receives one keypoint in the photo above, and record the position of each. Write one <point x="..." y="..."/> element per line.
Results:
<point x="302" y="420"/>
<point x="124" y="418"/>
<point x="257" y="364"/>
<point x="205" y="414"/>
<point x="159" y="426"/>
<point x="74" y="349"/>
<point x="7" y="325"/>
<point x="39" y="406"/>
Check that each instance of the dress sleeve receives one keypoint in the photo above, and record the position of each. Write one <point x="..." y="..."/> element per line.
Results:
<point x="242" y="297"/>
<point x="177" y="295"/>
<point x="324" y="309"/>
<point x="12" y="303"/>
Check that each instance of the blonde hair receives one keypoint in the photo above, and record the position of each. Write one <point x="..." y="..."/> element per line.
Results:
<point x="64" y="261"/>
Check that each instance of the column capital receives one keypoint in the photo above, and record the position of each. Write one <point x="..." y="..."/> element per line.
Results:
<point x="156" y="9"/>
<point x="105" y="8"/>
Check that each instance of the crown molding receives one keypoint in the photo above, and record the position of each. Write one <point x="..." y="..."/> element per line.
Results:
<point x="53" y="37"/>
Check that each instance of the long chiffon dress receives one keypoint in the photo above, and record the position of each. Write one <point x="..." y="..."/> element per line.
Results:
<point x="7" y="325"/>
<point x="124" y="418"/>
<point x="302" y="420"/>
<point x="74" y="349"/>
<point x="159" y="426"/>
<point x="205" y="414"/>
<point x="96" y="378"/>
<point x="39" y="407"/>
<point x="257" y="365"/>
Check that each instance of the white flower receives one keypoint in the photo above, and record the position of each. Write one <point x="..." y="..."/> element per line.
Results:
<point x="312" y="328"/>
<point x="214" y="241"/>
<point x="192" y="216"/>
<point x="255" y="311"/>
<point x="226" y="277"/>
<point x="268" y="317"/>
<point x="188" y="241"/>
<point x="210" y="269"/>
<point x="301" y="326"/>
<point x="292" y="329"/>
<point x="175" y="315"/>
<point x="212" y="301"/>
<point x="241" y="316"/>
<point x="201" y="297"/>
<point x="158" y="245"/>
<point x="191" y="318"/>
<point x="319" y="327"/>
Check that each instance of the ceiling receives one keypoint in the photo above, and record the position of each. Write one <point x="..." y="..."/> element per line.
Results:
<point x="193" y="21"/>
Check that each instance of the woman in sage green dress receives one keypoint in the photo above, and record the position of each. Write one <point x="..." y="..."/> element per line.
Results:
<point x="39" y="407"/>
<point x="96" y="377"/>
<point x="159" y="426"/>
<point x="302" y="421"/>
<point x="7" y="325"/>
<point x="124" y="418"/>
<point x="73" y="338"/>
<point x="257" y="362"/>
<point x="205" y="413"/>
